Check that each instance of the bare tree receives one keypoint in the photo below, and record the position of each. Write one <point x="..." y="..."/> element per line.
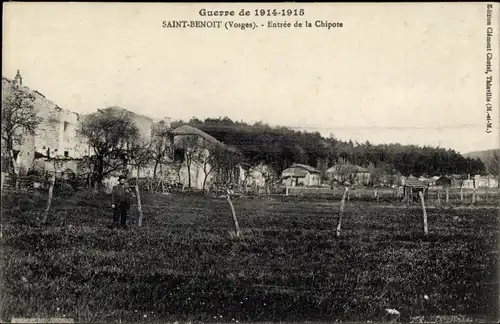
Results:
<point x="348" y="172"/>
<point x="139" y="155"/>
<point x="267" y="174"/>
<point x="18" y="118"/>
<point x="177" y="166"/>
<point x="108" y="135"/>
<point x="190" y="146"/>
<point x="160" y="145"/>
<point x="85" y="170"/>
<point x="208" y="160"/>
<point x="221" y="158"/>
<point x="322" y="166"/>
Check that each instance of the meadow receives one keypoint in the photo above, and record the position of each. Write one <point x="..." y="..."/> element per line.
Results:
<point x="184" y="264"/>
<point x="457" y="197"/>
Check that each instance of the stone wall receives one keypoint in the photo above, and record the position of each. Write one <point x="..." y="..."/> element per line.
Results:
<point x="57" y="134"/>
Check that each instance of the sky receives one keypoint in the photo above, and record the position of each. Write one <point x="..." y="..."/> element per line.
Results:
<point x="406" y="73"/>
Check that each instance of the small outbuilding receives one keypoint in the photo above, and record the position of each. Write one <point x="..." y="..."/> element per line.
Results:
<point x="301" y="175"/>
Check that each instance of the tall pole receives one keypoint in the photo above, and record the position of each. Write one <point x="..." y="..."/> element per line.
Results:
<point x="235" y="220"/>
<point x="426" y="230"/>
<point x="341" y="212"/>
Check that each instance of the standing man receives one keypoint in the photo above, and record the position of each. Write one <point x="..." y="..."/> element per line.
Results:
<point x="120" y="202"/>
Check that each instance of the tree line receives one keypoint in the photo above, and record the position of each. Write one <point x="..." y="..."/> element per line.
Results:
<point x="281" y="146"/>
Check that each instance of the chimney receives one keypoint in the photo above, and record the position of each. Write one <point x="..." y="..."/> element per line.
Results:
<point x="18" y="80"/>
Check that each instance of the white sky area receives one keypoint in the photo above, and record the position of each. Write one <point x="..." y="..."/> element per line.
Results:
<point x="407" y="73"/>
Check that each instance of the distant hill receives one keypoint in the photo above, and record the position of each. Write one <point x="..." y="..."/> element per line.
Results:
<point x="490" y="159"/>
<point x="484" y="156"/>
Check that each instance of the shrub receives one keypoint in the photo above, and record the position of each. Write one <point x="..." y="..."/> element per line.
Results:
<point x="63" y="188"/>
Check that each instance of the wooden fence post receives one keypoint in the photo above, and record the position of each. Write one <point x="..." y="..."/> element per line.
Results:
<point x="341" y="212"/>
<point x="138" y="196"/>
<point x="474" y="195"/>
<point x="462" y="193"/>
<point x="447" y="196"/>
<point x="287" y="190"/>
<point x="439" y="198"/>
<point x="426" y="230"/>
<point x="15" y="169"/>
<point x="162" y="186"/>
<point x="235" y="220"/>
<point x="51" y="192"/>
<point x="57" y="165"/>
<point x="407" y="196"/>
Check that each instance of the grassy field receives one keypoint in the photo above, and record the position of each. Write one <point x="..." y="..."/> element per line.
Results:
<point x="184" y="265"/>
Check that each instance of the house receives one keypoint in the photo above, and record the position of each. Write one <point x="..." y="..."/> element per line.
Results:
<point x="488" y="181"/>
<point x="354" y="174"/>
<point x="193" y="148"/>
<point x="301" y="175"/>
<point x="466" y="184"/>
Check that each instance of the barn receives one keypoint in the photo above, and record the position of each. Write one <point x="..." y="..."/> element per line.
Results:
<point x="301" y="175"/>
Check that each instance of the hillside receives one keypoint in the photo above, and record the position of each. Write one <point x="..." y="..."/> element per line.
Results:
<point x="490" y="159"/>
<point x="482" y="155"/>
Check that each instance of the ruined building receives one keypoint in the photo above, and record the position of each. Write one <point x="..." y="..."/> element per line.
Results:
<point x="56" y="136"/>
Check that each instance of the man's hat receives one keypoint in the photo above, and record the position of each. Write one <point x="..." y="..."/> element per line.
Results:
<point x="122" y="177"/>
